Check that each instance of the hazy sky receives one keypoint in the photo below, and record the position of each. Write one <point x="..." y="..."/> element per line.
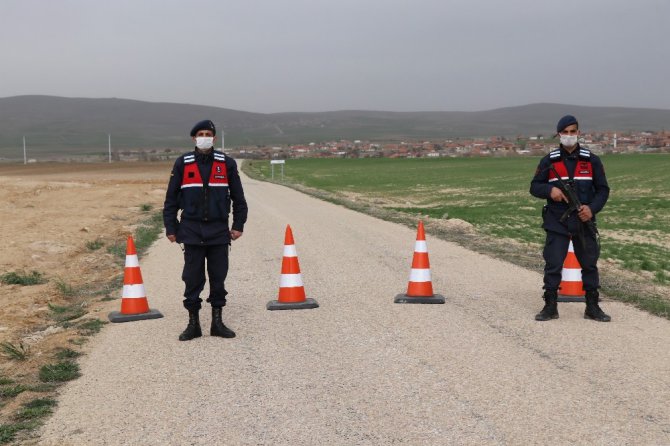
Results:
<point x="312" y="55"/>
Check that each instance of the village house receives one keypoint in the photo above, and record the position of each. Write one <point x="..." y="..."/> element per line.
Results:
<point x="534" y="145"/>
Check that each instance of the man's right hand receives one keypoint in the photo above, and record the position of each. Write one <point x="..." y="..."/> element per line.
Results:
<point x="558" y="195"/>
<point x="172" y="237"/>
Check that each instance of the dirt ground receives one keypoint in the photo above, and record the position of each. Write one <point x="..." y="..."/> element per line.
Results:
<point x="360" y="369"/>
<point x="50" y="213"/>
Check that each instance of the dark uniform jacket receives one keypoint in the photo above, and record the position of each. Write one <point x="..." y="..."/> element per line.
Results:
<point x="204" y="187"/>
<point x="588" y="174"/>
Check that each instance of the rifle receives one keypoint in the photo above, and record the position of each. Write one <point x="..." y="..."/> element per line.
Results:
<point x="574" y="204"/>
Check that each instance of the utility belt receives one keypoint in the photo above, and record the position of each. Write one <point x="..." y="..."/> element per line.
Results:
<point x="201" y="220"/>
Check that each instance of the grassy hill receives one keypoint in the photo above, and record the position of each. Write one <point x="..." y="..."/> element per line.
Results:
<point x="57" y="125"/>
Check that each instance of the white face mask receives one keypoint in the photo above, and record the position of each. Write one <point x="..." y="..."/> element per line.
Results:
<point x="568" y="140"/>
<point x="204" y="142"/>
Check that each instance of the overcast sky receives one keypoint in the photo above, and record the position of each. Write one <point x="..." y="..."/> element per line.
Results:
<point x="321" y="55"/>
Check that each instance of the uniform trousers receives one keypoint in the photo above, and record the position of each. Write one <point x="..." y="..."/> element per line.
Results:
<point x="555" y="251"/>
<point x="195" y="257"/>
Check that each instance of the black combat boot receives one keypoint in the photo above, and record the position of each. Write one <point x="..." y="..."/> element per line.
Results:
<point x="593" y="310"/>
<point x="550" y="310"/>
<point x="193" y="328"/>
<point x="218" y="329"/>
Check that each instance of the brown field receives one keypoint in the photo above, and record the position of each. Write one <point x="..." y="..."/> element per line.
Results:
<point x="50" y="213"/>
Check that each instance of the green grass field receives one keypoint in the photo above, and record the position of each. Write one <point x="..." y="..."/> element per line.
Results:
<point x="492" y="194"/>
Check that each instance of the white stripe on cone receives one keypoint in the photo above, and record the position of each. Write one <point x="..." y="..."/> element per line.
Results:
<point x="290" y="281"/>
<point x="419" y="275"/>
<point x="571" y="275"/>
<point x="420" y="246"/>
<point x="134" y="291"/>
<point x="290" y="251"/>
<point x="131" y="261"/>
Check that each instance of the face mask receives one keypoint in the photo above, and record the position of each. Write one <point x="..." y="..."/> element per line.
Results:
<point x="568" y="140"/>
<point x="204" y="142"/>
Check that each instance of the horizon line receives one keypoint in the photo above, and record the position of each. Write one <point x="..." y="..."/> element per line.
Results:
<point x="338" y="110"/>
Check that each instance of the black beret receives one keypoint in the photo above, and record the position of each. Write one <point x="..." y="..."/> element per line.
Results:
<point x="203" y="125"/>
<point x="564" y="122"/>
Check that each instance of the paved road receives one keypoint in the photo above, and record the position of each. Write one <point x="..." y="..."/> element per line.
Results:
<point x="360" y="369"/>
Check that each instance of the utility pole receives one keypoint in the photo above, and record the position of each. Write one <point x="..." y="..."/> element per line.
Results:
<point x="25" y="160"/>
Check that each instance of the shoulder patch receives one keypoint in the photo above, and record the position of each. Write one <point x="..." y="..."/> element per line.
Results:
<point x="189" y="158"/>
<point x="584" y="153"/>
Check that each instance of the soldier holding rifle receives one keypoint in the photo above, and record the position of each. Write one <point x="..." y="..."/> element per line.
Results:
<point x="573" y="181"/>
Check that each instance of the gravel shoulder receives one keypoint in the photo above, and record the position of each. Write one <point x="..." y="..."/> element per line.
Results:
<point x="360" y="369"/>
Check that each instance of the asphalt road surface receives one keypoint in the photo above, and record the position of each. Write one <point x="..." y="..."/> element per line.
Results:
<point x="361" y="370"/>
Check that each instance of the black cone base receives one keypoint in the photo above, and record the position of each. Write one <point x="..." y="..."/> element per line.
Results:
<point x="306" y="304"/>
<point x="405" y="299"/>
<point x="117" y="316"/>
<point x="570" y="299"/>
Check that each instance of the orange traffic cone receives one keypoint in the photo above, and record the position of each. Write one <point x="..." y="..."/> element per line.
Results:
<point x="571" y="288"/>
<point x="291" y="289"/>
<point x="420" y="287"/>
<point x="134" y="305"/>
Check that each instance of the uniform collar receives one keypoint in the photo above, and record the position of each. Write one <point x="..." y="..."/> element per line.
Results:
<point x="204" y="157"/>
<point x="566" y="154"/>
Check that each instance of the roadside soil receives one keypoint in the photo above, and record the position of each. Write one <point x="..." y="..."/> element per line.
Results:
<point x="360" y="369"/>
<point x="50" y="213"/>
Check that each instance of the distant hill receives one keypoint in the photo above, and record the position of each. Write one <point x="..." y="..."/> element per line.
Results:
<point x="57" y="125"/>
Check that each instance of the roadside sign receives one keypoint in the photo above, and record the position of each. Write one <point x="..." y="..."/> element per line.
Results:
<point x="280" y="162"/>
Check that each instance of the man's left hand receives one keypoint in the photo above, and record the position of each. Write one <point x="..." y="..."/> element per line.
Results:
<point x="585" y="213"/>
<point x="234" y="235"/>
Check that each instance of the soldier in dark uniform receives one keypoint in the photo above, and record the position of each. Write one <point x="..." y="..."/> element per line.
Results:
<point x="576" y="165"/>
<point x="204" y="184"/>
